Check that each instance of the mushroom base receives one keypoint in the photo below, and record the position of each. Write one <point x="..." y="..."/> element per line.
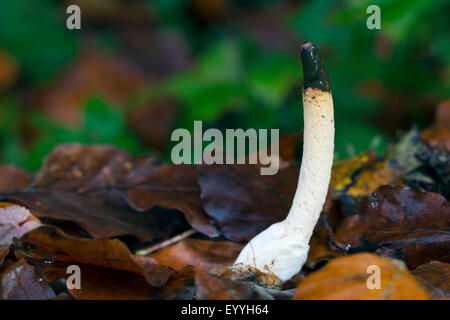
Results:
<point x="273" y="250"/>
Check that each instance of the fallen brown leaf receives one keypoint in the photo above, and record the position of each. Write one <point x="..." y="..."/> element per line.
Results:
<point x="101" y="187"/>
<point x="13" y="178"/>
<point x="20" y="281"/>
<point x="210" y="287"/>
<point x="111" y="77"/>
<point x="398" y="222"/>
<point x="170" y="186"/>
<point x="79" y="168"/>
<point x="242" y="201"/>
<point x="436" y="276"/>
<point x="99" y="218"/>
<point x="345" y="278"/>
<point x="153" y="122"/>
<point x="51" y="244"/>
<point x="198" y="252"/>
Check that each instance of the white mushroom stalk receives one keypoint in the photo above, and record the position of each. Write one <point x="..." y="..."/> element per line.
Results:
<point x="283" y="247"/>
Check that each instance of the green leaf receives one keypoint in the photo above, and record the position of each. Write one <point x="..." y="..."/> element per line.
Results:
<point x="35" y="33"/>
<point x="271" y="77"/>
<point x="101" y="121"/>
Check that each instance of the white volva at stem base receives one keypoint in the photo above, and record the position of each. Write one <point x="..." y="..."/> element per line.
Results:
<point x="283" y="247"/>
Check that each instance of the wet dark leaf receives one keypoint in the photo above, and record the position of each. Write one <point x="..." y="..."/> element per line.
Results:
<point x="20" y="281"/>
<point x="170" y="186"/>
<point x="89" y="185"/>
<point x="399" y="222"/>
<point x="242" y="201"/>
<point x="98" y="218"/>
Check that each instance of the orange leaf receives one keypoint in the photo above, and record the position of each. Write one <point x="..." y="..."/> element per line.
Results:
<point x="347" y="278"/>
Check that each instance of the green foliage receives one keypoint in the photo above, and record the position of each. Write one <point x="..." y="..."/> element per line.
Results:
<point x="101" y="123"/>
<point x="233" y="75"/>
<point x="233" y="81"/>
<point x="35" y="33"/>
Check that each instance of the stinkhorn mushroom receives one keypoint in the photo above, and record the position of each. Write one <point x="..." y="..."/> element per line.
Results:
<point x="283" y="247"/>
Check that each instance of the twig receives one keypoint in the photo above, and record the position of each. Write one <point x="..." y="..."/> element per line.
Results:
<point x="166" y="243"/>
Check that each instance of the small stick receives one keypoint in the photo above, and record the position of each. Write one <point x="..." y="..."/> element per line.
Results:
<point x="166" y="243"/>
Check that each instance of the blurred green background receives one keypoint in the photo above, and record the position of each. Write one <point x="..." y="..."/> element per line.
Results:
<point x="139" y="69"/>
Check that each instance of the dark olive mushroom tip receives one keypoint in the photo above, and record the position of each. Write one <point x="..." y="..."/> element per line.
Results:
<point x="314" y="73"/>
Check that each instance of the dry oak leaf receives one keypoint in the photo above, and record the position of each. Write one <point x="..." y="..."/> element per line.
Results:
<point x="15" y="221"/>
<point x="13" y="178"/>
<point x="243" y="202"/>
<point x="20" y="281"/>
<point x="198" y="252"/>
<point x="346" y="278"/>
<point x="398" y="222"/>
<point x="436" y="276"/>
<point x="50" y="244"/>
